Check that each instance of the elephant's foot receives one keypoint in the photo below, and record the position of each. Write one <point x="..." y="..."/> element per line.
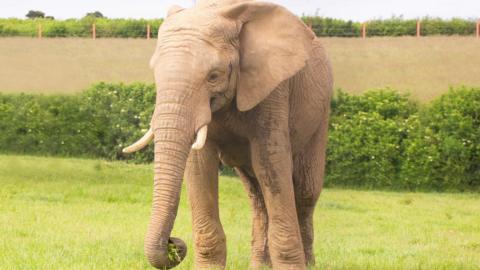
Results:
<point x="309" y="255"/>
<point x="285" y="245"/>
<point x="214" y="259"/>
<point x="259" y="265"/>
<point x="210" y="267"/>
<point x="210" y="246"/>
<point x="260" y="260"/>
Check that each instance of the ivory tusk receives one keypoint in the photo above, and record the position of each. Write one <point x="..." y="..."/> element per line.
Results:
<point x="201" y="138"/>
<point x="140" y="144"/>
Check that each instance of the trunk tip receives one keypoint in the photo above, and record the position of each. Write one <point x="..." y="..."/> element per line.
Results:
<point x="170" y="257"/>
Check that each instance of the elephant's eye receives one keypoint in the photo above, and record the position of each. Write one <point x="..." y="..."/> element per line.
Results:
<point x="213" y="76"/>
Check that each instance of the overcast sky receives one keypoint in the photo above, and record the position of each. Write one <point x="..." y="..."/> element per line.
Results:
<point x="345" y="9"/>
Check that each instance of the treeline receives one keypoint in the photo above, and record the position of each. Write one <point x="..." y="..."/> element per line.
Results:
<point x="118" y="28"/>
<point x="323" y="27"/>
<point x="381" y="139"/>
<point x="395" y="26"/>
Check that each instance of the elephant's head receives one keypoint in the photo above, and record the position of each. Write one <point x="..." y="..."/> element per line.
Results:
<point x="217" y="55"/>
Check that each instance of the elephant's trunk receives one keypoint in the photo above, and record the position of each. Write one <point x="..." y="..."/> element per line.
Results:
<point x="173" y="134"/>
<point x="181" y="110"/>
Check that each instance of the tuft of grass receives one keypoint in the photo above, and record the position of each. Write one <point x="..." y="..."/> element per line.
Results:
<point x="173" y="254"/>
<point x="91" y="214"/>
<point x="406" y="201"/>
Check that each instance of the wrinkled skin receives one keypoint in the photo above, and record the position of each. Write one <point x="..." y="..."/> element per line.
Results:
<point x="260" y="80"/>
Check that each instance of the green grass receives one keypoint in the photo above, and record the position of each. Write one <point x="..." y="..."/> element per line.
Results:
<point x="89" y="214"/>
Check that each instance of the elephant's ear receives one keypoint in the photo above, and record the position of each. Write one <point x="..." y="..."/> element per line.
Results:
<point x="174" y="9"/>
<point x="274" y="45"/>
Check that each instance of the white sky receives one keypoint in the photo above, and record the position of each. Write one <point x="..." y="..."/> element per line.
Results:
<point x="357" y="10"/>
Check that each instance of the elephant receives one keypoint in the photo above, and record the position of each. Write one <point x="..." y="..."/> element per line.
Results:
<point x="245" y="84"/>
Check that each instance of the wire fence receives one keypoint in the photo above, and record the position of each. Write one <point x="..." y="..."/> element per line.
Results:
<point x="326" y="27"/>
<point x="323" y="27"/>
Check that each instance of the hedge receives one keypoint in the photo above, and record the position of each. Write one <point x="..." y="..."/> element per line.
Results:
<point x="323" y="27"/>
<point x="381" y="139"/>
<point x="443" y="149"/>
<point x="99" y="122"/>
<point x="119" y="28"/>
<point x="366" y="138"/>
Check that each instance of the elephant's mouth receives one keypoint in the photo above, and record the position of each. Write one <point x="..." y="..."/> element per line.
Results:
<point x="201" y="137"/>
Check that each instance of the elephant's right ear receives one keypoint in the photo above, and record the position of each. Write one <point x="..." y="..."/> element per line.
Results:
<point x="174" y="9"/>
<point x="274" y="45"/>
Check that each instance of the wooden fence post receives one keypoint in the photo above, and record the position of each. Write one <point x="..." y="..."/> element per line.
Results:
<point x="478" y="28"/>
<point x="94" y="32"/>
<point x="418" y="28"/>
<point x="39" y="31"/>
<point x="364" y="30"/>
<point x="148" y="31"/>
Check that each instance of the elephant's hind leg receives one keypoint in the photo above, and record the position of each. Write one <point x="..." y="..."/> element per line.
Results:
<point x="202" y="185"/>
<point x="260" y="254"/>
<point x="309" y="167"/>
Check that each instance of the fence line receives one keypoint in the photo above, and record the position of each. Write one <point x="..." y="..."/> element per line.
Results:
<point x="364" y="31"/>
<point x="418" y="32"/>
<point x="419" y="25"/>
<point x="478" y="28"/>
<point x="94" y="31"/>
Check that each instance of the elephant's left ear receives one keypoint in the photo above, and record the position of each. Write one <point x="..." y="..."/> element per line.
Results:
<point x="274" y="45"/>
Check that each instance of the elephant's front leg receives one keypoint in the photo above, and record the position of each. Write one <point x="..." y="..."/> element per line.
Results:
<point x="272" y="164"/>
<point x="202" y="185"/>
<point x="260" y="257"/>
<point x="273" y="167"/>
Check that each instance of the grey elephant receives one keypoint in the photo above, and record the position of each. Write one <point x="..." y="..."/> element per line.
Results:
<point x="247" y="84"/>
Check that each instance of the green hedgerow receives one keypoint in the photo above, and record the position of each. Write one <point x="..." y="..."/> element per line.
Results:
<point x="387" y="102"/>
<point x="96" y="123"/>
<point x="443" y="152"/>
<point x="120" y="114"/>
<point x="322" y="26"/>
<point x="366" y="138"/>
<point x="364" y="150"/>
<point x="380" y="139"/>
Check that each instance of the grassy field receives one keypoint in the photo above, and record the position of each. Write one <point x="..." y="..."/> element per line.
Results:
<point x="426" y="66"/>
<point x="90" y="214"/>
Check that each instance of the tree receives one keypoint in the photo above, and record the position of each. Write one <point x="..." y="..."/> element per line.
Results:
<point x="96" y="14"/>
<point x="32" y="14"/>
